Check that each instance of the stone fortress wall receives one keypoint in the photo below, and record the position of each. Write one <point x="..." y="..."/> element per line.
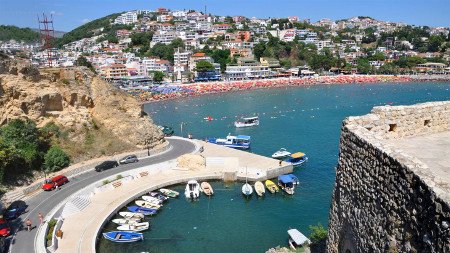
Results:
<point x="385" y="200"/>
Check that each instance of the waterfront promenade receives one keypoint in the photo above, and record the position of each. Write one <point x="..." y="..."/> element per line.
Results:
<point x="106" y="200"/>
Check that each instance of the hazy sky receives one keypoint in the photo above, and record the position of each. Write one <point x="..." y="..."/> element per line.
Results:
<point x="69" y="14"/>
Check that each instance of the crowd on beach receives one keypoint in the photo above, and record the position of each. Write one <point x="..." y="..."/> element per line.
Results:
<point x="195" y="89"/>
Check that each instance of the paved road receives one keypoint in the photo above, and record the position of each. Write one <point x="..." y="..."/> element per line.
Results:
<point x="44" y="202"/>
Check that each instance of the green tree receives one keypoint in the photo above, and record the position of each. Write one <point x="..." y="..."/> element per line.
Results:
<point x="435" y="43"/>
<point x="258" y="50"/>
<point x="158" y="76"/>
<point x="82" y="61"/>
<point x="55" y="159"/>
<point x="7" y="158"/>
<point x="203" y="66"/>
<point x="318" y="234"/>
<point x="389" y="68"/>
<point x="363" y="66"/>
<point x="140" y="39"/>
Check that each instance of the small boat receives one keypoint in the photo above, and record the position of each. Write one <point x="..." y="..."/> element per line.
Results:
<point x="297" y="239"/>
<point x="259" y="188"/>
<point x="123" y="236"/>
<point x="282" y="153"/>
<point x="147" y="204"/>
<point x="169" y="193"/>
<point x="152" y="200"/>
<point x="192" y="190"/>
<point x="121" y="221"/>
<point x="209" y="118"/>
<point x="247" y="189"/>
<point x="297" y="159"/>
<point x="143" y="210"/>
<point x="159" y="196"/>
<point x="295" y="178"/>
<point x="130" y="215"/>
<point x="207" y="189"/>
<point x="271" y="186"/>
<point x="136" y="227"/>
<point x="287" y="184"/>
<point x="238" y="142"/>
<point x="247" y="122"/>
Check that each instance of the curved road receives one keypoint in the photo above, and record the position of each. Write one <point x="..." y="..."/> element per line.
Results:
<point x="44" y="202"/>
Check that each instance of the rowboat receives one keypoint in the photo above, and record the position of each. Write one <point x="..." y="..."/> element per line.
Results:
<point x="207" y="189"/>
<point x="123" y="236"/>
<point x="122" y="221"/>
<point x="130" y="215"/>
<point x="259" y="188"/>
<point x="271" y="186"/>
<point x="169" y="193"/>
<point x="192" y="190"/>
<point x="159" y="196"/>
<point x="147" y="204"/>
<point x="136" y="227"/>
<point x="142" y="210"/>
<point x="152" y="200"/>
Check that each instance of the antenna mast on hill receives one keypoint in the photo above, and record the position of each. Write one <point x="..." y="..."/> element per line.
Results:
<point x="47" y="34"/>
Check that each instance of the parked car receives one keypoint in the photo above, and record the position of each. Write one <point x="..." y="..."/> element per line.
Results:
<point x="14" y="212"/>
<point x="106" y="165"/>
<point x="129" y="159"/>
<point x="50" y="184"/>
<point x="5" y="230"/>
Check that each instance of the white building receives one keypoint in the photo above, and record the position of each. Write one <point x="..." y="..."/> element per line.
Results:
<point x="164" y="37"/>
<point x="246" y="72"/>
<point x="126" y="18"/>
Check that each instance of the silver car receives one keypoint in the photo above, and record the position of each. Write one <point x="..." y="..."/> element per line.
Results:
<point x="129" y="159"/>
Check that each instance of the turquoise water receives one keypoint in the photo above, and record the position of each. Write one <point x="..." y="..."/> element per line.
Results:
<point x="306" y="119"/>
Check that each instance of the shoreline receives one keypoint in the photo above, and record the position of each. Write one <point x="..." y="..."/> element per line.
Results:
<point x="177" y="91"/>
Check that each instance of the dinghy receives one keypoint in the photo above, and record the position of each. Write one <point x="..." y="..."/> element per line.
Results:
<point x="207" y="189"/>
<point x="125" y="221"/>
<point x="146" y="204"/>
<point x="271" y="186"/>
<point x="130" y="215"/>
<point x="247" y="189"/>
<point x="136" y="227"/>
<point x="169" y="193"/>
<point x="192" y="190"/>
<point x="159" y="196"/>
<point x="259" y="188"/>
<point x="143" y="210"/>
<point x="152" y="200"/>
<point x="282" y="153"/>
<point x="123" y="236"/>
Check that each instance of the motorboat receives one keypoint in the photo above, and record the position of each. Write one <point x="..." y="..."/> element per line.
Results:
<point x="297" y="159"/>
<point x="143" y="210"/>
<point x="123" y="221"/>
<point x="207" y="189"/>
<point x="123" y="236"/>
<point x="259" y="188"/>
<point x="192" y="190"/>
<point x="146" y="204"/>
<point x="152" y="200"/>
<point x="282" y="153"/>
<point x="135" y="227"/>
<point x="169" y="193"/>
<point x="271" y="186"/>
<point x="130" y="215"/>
<point x="159" y="196"/>
<point x="247" y="122"/>
<point x="297" y="239"/>
<point x="287" y="184"/>
<point x="231" y="141"/>
<point x="295" y="178"/>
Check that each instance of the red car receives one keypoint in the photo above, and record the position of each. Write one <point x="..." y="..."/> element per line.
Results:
<point x="5" y="230"/>
<point x="51" y="184"/>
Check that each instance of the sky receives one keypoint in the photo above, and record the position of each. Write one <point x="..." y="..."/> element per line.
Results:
<point x="69" y="14"/>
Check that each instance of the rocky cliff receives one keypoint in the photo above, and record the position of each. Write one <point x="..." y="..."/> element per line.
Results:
<point x="95" y="117"/>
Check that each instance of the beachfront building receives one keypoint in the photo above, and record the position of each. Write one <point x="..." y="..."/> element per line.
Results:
<point x="269" y="62"/>
<point x="181" y="65"/>
<point x="114" y="71"/>
<point x="432" y="67"/>
<point x="248" y="72"/>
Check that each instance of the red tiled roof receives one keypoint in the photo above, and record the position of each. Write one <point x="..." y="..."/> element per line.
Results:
<point x="198" y="55"/>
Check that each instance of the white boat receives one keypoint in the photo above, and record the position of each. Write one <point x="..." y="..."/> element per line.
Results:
<point x="192" y="190"/>
<point x="207" y="188"/>
<point x="297" y="239"/>
<point x="147" y="204"/>
<point x="169" y="193"/>
<point x="259" y="188"/>
<point x="152" y="200"/>
<point x="247" y="189"/>
<point x="136" y="227"/>
<point x="231" y="141"/>
<point x="125" y="221"/>
<point x="247" y="122"/>
<point x="282" y="153"/>
<point x="130" y="215"/>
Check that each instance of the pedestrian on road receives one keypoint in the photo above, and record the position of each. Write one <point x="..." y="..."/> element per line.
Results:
<point x="41" y="218"/>
<point x="28" y="223"/>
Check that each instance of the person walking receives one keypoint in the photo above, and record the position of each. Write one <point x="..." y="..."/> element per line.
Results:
<point x="41" y="218"/>
<point x="28" y="223"/>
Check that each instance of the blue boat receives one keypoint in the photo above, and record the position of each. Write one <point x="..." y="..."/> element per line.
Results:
<point x="287" y="183"/>
<point x="123" y="236"/>
<point x="297" y="159"/>
<point x="143" y="210"/>
<point x="237" y="142"/>
<point x="295" y="178"/>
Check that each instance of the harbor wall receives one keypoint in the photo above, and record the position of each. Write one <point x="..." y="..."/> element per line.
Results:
<point x="381" y="200"/>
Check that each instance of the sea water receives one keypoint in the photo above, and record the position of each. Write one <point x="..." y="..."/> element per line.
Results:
<point x="306" y="119"/>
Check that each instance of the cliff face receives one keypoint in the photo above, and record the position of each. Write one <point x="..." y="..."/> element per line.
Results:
<point x="81" y="104"/>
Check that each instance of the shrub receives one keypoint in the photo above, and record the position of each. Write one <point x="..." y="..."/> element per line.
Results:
<point x="119" y="177"/>
<point x="106" y="181"/>
<point x="51" y="228"/>
<point x="49" y="130"/>
<point x="318" y="234"/>
<point x="56" y="159"/>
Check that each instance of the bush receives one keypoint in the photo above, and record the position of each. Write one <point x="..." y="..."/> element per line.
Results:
<point x="56" y="159"/>
<point x="49" y="130"/>
<point x="119" y="177"/>
<point x="318" y="234"/>
<point x="51" y="228"/>
<point x="106" y="181"/>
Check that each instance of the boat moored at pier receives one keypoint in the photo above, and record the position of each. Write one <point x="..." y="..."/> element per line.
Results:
<point x="297" y="159"/>
<point x="287" y="184"/>
<point x="231" y="141"/>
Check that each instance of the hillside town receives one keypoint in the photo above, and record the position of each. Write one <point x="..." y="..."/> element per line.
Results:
<point x="184" y="46"/>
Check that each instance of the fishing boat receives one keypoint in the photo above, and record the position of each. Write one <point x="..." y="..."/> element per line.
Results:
<point x="297" y="159"/>
<point x="143" y="210"/>
<point x="207" y="189"/>
<point x="282" y="153"/>
<point x="121" y="221"/>
<point x="287" y="184"/>
<point x="123" y="236"/>
<point x="152" y="200"/>
<point x="136" y="227"/>
<point x="297" y="239"/>
<point x="146" y="204"/>
<point x="192" y="190"/>
<point x="130" y="215"/>
<point x="238" y="142"/>
<point x="259" y="188"/>
<point x="159" y="196"/>
<point x="247" y="122"/>
<point x="169" y="193"/>
<point x="271" y="186"/>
